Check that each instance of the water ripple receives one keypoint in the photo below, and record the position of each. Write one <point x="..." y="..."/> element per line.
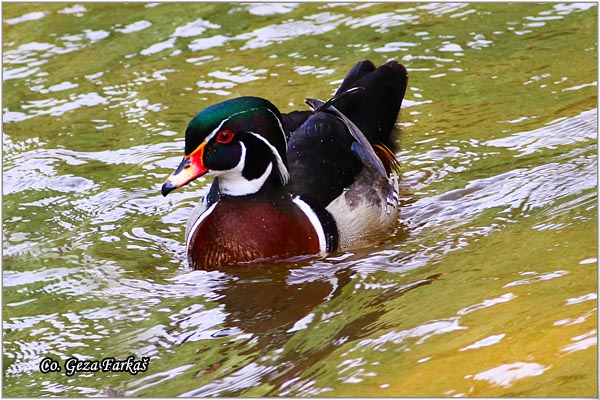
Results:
<point x="573" y="130"/>
<point x="505" y="375"/>
<point x="31" y="16"/>
<point x="246" y="377"/>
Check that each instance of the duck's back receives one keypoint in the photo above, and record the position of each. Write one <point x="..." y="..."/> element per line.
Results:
<point x="328" y="167"/>
<point x="321" y="160"/>
<point x="329" y="175"/>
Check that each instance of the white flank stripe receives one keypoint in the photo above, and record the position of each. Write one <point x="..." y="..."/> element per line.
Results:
<point x="314" y="220"/>
<point x="197" y="223"/>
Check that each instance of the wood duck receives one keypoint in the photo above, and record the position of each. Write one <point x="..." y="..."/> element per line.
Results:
<point x="297" y="184"/>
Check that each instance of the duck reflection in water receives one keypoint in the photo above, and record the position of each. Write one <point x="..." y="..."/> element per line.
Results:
<point x="270" y="303"/>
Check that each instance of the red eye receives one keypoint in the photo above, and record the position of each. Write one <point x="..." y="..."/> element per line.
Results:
<point x="225" y="136"/>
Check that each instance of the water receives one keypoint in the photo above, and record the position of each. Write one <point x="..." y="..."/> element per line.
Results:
<point x="488" y="287"/>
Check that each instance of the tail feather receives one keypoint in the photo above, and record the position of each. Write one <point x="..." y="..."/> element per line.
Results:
<point x="375" y="109"/>
<point x="360" y="70"/>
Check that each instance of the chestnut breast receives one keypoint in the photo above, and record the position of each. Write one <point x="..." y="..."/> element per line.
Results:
<point x="244" y="229"/>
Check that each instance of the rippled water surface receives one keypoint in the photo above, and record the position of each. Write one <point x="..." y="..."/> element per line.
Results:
<point x="488" y="287"/>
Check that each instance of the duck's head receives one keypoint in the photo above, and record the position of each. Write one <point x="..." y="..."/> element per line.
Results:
<point x="239" y="140"/>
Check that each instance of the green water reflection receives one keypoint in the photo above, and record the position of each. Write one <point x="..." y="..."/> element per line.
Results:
<point x="487" y="288"/>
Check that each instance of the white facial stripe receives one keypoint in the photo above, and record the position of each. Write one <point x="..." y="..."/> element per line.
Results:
<point x="314" y="220"/>
<point x="280" y="127"/>
<point x="197" y="223"/>
<point x="233" y="183"/>
<point x="283" y="172"/>
<point x="217" y="129"/>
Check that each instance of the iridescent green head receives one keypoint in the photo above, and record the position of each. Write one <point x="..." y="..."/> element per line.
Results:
<point x="240" y="140"/>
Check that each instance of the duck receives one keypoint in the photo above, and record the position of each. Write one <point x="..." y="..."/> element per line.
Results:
<point x="294" y="185"/>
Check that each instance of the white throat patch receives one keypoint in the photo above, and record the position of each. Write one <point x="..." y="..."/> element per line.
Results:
<point x="233" y="183"/>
